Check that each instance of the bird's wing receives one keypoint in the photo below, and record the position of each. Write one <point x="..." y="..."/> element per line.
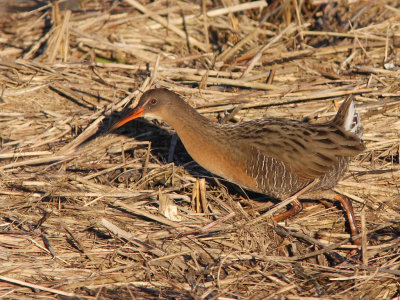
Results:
<point x="308" y="150"/>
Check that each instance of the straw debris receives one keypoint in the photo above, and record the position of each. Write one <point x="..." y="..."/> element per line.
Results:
<point x="80" y="211"/>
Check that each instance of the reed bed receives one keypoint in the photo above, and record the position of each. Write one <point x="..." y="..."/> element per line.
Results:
<point x="128" y="215"/>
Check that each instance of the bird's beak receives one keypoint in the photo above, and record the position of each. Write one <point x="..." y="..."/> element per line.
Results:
<point x="134" y="114"/>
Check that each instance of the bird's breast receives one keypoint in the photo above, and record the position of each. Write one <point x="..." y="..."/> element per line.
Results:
<point x="226" y="161"/>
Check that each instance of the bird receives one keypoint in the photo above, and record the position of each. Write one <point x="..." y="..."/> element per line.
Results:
<point x="277" y="157"/>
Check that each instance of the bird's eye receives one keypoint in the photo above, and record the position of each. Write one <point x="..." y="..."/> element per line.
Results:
<point x="153" y="101"/>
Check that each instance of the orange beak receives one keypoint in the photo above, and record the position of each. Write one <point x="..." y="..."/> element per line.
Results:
<point x="134" y="114"/>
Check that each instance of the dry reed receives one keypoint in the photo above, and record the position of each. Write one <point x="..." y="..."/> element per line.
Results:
<point x="79" y="208"/>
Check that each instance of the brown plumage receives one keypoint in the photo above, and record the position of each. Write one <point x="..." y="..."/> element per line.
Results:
<point x="278" y="157"/>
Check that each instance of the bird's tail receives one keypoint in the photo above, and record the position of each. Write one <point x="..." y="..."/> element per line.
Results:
<point x="348" y="118"/>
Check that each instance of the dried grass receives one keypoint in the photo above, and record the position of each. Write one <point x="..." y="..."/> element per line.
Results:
<point x="80" y="208"/>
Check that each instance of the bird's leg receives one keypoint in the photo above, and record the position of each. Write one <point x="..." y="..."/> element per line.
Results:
<point x="348" y="207"/>
<point x="292" y="199"/>
<point x="296" y="204"/>
<point x="294" y="210"/>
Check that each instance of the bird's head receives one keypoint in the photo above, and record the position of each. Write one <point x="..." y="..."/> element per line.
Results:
<point x="155" y="103"/>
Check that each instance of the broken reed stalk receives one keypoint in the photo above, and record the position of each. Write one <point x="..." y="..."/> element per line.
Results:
<point x="64" y="84"/>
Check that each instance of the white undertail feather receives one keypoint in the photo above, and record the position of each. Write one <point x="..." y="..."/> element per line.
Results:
<point x="352" y="121"/>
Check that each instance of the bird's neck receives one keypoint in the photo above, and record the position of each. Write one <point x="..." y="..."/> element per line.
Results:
<point x="203" y="139"/>
<point x="208" y="142"/>
<point x="189" y="124"/>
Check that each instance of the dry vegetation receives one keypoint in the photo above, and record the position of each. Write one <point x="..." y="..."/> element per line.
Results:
<point x="125" y="215"/>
